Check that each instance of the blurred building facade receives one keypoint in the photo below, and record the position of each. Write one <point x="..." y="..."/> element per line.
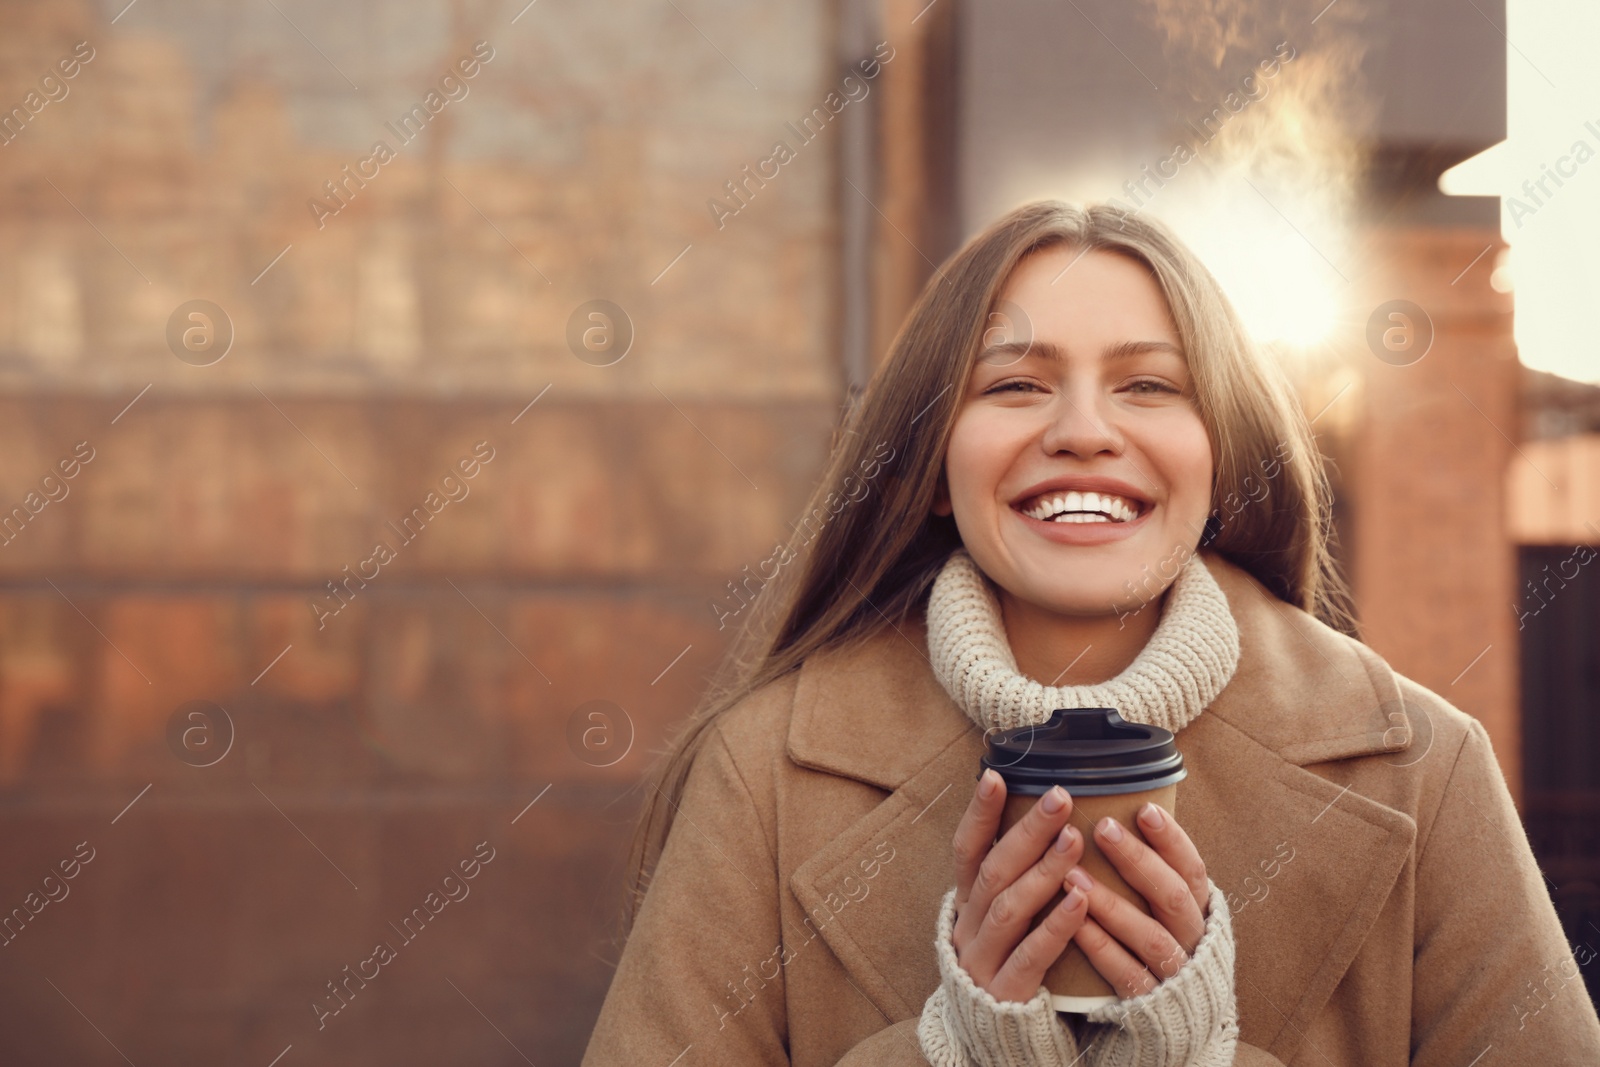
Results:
<point x="210" y="542"/>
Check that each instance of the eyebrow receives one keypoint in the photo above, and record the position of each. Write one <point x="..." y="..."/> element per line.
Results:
<point x="1054" y="353"/>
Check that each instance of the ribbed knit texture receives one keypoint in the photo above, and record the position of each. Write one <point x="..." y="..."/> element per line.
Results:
<point x="1188" y="1020"/>
<point x="1188" y="660"/>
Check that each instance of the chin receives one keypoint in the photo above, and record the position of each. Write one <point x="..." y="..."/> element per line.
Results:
<point x="1084" y="588"/>
<point x="1082" y="580"/>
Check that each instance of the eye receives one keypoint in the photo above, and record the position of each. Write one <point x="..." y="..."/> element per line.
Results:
<point x="1014" y="385"/>
<point x="1151" y="386"/>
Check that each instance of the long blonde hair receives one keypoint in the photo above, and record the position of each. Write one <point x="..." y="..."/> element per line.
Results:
<point x="867" y="565"/>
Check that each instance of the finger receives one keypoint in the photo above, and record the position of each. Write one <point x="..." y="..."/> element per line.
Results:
<point x="1164" y="834"/>
<point x="1023" y="972"/>
<point x="1012" y="911"/>
<point x="1127" y="976"/>
<point x="976" y="832"/>
<point x="1142" y="936"/>
<point x="1020" y="847"/>
<point x="1152" y="878"/>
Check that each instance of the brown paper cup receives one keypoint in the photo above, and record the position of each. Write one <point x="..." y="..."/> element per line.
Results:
<point x="1108" y="766"/>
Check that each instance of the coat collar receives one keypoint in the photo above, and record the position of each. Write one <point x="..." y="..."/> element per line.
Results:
<point x="1302" y="694"/>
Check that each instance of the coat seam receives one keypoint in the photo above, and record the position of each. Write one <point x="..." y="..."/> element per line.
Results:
<point x="1433" y="818"/>
<point x="772" y="858"/>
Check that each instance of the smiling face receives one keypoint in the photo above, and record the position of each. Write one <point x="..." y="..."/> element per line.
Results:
<point x="1079" y="470"/>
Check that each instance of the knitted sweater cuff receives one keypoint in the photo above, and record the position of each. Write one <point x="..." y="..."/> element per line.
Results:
<point x="1189" y="1020"/>
<point x="963" y="1025"/>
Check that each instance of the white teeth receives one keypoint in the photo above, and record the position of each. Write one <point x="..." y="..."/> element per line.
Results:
<point x="1076" y="506"/>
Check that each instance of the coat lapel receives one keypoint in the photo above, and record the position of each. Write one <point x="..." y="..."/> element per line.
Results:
<point x="876" y="713"/>
<point x="1307" y="862"/>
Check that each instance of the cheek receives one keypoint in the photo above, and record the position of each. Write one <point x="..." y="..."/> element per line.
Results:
<point x="1182" y="451"/>
<point x="1200" y="472"/>
<point x="982" y="447"/>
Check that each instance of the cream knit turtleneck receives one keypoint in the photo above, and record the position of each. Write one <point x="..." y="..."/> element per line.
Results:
<point x="1190" y="657"/>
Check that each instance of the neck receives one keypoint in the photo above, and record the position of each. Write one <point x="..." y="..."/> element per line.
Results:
<point x="1067" y="650"/>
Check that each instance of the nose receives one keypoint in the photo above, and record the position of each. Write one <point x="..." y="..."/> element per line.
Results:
<point x="1080" y="426"/>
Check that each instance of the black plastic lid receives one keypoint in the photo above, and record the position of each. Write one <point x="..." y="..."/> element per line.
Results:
<point x="1086" y="751"/>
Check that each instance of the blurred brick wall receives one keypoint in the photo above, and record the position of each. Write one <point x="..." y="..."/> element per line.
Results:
<point x="1434" y="565"/>
<point x="368" y="359"/>
<point x="396" y="738"/>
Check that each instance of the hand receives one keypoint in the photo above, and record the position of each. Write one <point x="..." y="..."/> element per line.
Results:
<point x="1131" y="950"/>
<point x="1000" y="889"/>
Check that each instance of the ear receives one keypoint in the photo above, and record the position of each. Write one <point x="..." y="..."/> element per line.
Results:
<point x="941" y="496"/>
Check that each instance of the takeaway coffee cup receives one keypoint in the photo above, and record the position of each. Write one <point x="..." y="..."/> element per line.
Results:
<point x="1109" y="767"/>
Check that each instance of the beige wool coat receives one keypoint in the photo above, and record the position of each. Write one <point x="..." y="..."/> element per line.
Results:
<point x="1386" y="906"/>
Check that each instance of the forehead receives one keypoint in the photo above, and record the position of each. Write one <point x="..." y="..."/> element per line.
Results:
<point x="1062" y="291"/>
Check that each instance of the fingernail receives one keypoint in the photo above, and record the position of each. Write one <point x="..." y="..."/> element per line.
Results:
<point x="1109" y="827"/>
<point x="1074" y="897"/>
<point x="1054" y="800"/>
<point x="987" y="782"/>
<point x="1064" y="838"/>
<point x="1080" y="878"/>
<point x="1152" y="817"/>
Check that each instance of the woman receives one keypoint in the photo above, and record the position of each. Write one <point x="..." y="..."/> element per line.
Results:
<point x="1074" y="483"/>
